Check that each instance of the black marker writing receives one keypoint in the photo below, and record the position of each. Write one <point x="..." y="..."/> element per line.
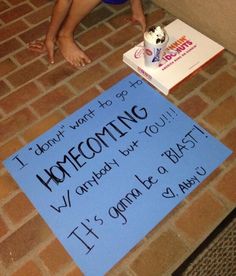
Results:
<point x="22" y="164"/>
<point x="80" y="154"/>
<point x="76" y="232"/>
<point x="118" y="211"/>
<point x="66" y="201"/>
<point x="90" y="114"/>
<point x="188" y="142"/>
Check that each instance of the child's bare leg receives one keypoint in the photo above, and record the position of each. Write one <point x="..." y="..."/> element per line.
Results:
<point x="60" y="11"/>
<point x="69" y="49"/>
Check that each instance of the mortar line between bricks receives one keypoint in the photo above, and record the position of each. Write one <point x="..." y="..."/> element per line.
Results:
<point x="9" y="4"/>
<point x="40" y="265"/>
<point x="27" y="257"/>
<point x="15" y="61"/>
<point x="215" y="103"/>
<point x="33" y="7"/>
<point x="194" y="92"/>
<point x="19" y="67"/>
<point x="13" y="52"/>
<point x="22" y="17"/>
<point x="27" y="105"/>
<point x="71" y="266"/>
<point x="12" y="228"/>
<point x="219" y="199"/>
<point x="220" y="133"/>
<point x="130" y="271"/>
<point x="227" y="129"/>
<point x="9" y="197"/>
<point x="210" y="227"/>
<point x="232" y="71"/>
<point x="64" y="269"/>
<point x="222" y="199"/>
<point x="21" y="133"/>
<point x="223" y="134"/>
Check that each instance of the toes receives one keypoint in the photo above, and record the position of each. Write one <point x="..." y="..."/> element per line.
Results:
<point x="86" y="59"/>
<point x="78" y="62"/>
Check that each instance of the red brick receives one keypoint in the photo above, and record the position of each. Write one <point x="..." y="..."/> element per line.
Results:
<point x="81" y="100"/>
<point x="155" y="17"/>
<point x="188" y="85"/>
<point x="216" y="65"/>
<point x="12" y="29"/>
<point x="4" y="88"/>
<point x="88" y="77"/>
<point x="94" y="34"/>
<point x="223" y="114"/>
<point x="52" y="100"/>
<point x="7" y="186"/>
<point x="40" y="127"/>
<point x="96" y="16"/>
<point x="40" y="14"/>
<point x="6" y="67"/>
<point x="226" y="185"/>
<point x="56" y="75"/>
<point x="23" y="240"/>
<point x="156" y="259"/>
<point x="15" y="2"/>
<point x="9" y="46"/>
<point x="18" y="208"/>
<point x="75" y="272"/>
<point x="9" y="148"/>
<point x="234" y="66"/>
<point x="35" y="32"/>
<point x="230" y="141"/>
<point x="15" y="123"/>
<point x="39" y="3"/>
<point x="55" y="256"/>
<point x="19" y="97"/>
<point x="25" y="56"/>
<point x="15" y="13"/>
<point x="27" y="73"/>
<point x="122" y="36"/>
<point x="219" y="86"/>
<point x="120" y="19"/>
<point x="28" y="269"/>
<point x="3" y="228"/>
<point x="193" y="106"/>
<point x="3" y="6"/>
<point x="114" y="60"/>
<point x="110" y="81"/>
<point x="200" y="218"/>
<point x="97" y="51"/>
<point x="123" y="273"/>
<point x="207" y="182"/>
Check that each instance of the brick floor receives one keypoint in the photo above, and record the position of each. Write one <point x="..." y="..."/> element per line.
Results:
<point x="35" y="95"/>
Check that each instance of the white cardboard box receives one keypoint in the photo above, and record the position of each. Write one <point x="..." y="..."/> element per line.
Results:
<point x="186" y="52"/>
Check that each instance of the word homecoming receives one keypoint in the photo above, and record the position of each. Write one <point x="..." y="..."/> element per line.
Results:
<point x="78" y="155"/>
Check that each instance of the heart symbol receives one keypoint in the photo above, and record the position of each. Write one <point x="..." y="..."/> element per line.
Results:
<point x="168" y="193"/>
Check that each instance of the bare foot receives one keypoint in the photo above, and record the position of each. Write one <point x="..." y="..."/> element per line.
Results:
<point x="71" y="52"/>
<point x="43" y="46"/>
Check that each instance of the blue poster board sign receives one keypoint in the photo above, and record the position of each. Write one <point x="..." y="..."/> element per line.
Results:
<point x="110" y="172"/>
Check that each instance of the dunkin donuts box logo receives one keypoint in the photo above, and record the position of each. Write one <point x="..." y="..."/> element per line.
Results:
<point x="186" y="51"/>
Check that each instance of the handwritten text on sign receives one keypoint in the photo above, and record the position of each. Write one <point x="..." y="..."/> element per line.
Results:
<point x="127" y="155"/>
